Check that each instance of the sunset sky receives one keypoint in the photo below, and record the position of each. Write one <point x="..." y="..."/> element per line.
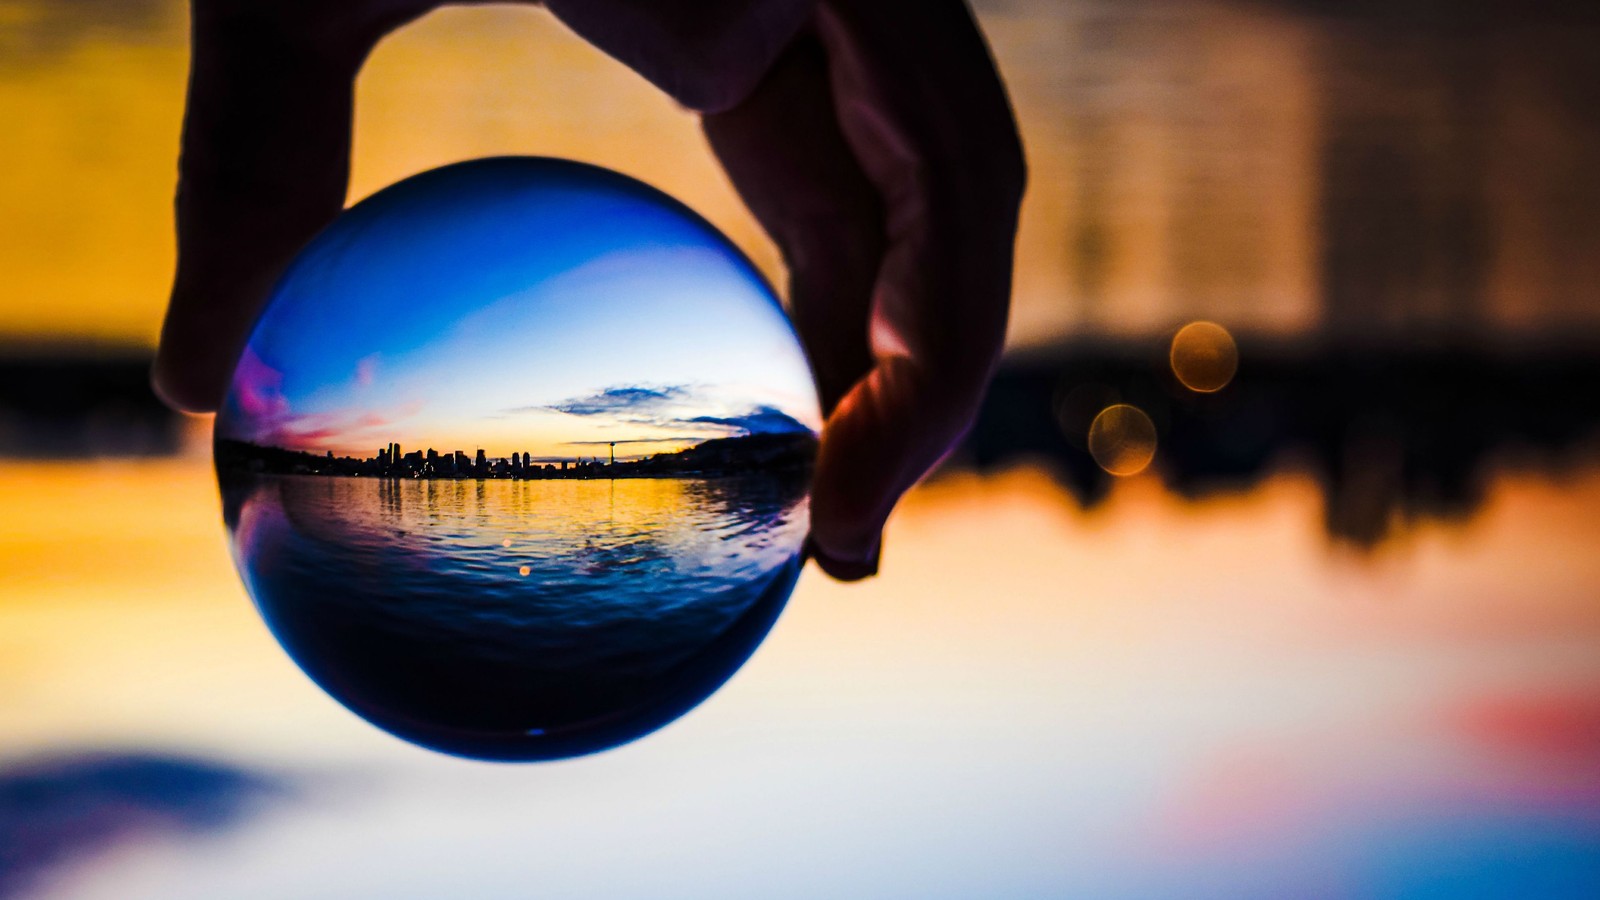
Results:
<point x="516" y="308"/>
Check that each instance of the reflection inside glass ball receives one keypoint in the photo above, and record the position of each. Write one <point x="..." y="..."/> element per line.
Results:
<point x="515" y="464"/>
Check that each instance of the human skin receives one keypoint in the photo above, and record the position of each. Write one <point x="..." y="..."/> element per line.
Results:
<point x="872" y="139"/>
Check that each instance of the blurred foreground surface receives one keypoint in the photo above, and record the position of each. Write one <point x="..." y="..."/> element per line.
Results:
<point x="1157" y="698"/>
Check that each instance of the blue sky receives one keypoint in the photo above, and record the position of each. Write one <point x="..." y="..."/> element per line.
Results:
<point x="518" y="305"/>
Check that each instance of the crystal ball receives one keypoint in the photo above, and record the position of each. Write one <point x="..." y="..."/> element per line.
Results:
<point x="515" y="464"/>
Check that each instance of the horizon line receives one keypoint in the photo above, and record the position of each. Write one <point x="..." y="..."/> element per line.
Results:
<point x="442" y="453"/>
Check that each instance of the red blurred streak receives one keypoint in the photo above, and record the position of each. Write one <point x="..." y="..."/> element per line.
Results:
<point x="1542" y="754"/>
<point x="1554" y="728"/>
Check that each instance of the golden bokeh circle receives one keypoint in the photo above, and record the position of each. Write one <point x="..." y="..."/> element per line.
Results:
<point x="1204" y="357"/>
<point x="1122" y="439"/>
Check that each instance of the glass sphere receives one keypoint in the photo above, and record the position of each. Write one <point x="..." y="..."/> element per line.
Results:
<point x="515" y="463"/>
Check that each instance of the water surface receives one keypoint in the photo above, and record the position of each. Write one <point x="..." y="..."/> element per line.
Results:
<point x="518" y="618"/>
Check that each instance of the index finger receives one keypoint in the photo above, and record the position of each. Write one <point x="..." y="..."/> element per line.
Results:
<point x="264" y="165"/>
<point x="921" y="104"/>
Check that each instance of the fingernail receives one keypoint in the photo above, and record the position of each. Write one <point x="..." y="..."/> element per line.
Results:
<point x="846" y="568"/>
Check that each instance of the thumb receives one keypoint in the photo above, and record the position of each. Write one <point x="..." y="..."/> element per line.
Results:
<point x="890" y="428"/>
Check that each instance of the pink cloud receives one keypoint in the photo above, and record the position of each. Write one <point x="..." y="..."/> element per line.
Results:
<point x="347" y="429"/>
<point x="367" y="371"/>
<point x="259" y="389"/>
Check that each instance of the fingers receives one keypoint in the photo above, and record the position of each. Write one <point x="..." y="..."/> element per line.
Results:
<point x="266" y="139"/>
<point x="706" y="54"/>
<point x="924" y="112"/>
<point x="785" y="154"/>
<point x="784" y="151"/>
<point x="264" y="165"/>
<point x="880" y="153"/>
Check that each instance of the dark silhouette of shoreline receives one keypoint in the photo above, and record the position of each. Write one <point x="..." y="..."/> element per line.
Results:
<point x="768" y="453"/>
<point x="1389" y="432"/>
<point x="81" y="400"/>
<point x="1389" y="436"/>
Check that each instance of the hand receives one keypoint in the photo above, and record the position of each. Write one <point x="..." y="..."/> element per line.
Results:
<point x="878" y="150"/>
<point x="881" y="155"/>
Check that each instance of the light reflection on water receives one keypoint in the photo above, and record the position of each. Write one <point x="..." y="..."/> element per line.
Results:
<point x="467" y="614"/>
<point x="586" y="541"/>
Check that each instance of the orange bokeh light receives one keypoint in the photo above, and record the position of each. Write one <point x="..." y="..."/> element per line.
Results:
<point x="1122" y="439"/>
<point x="1204" y="357"/>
